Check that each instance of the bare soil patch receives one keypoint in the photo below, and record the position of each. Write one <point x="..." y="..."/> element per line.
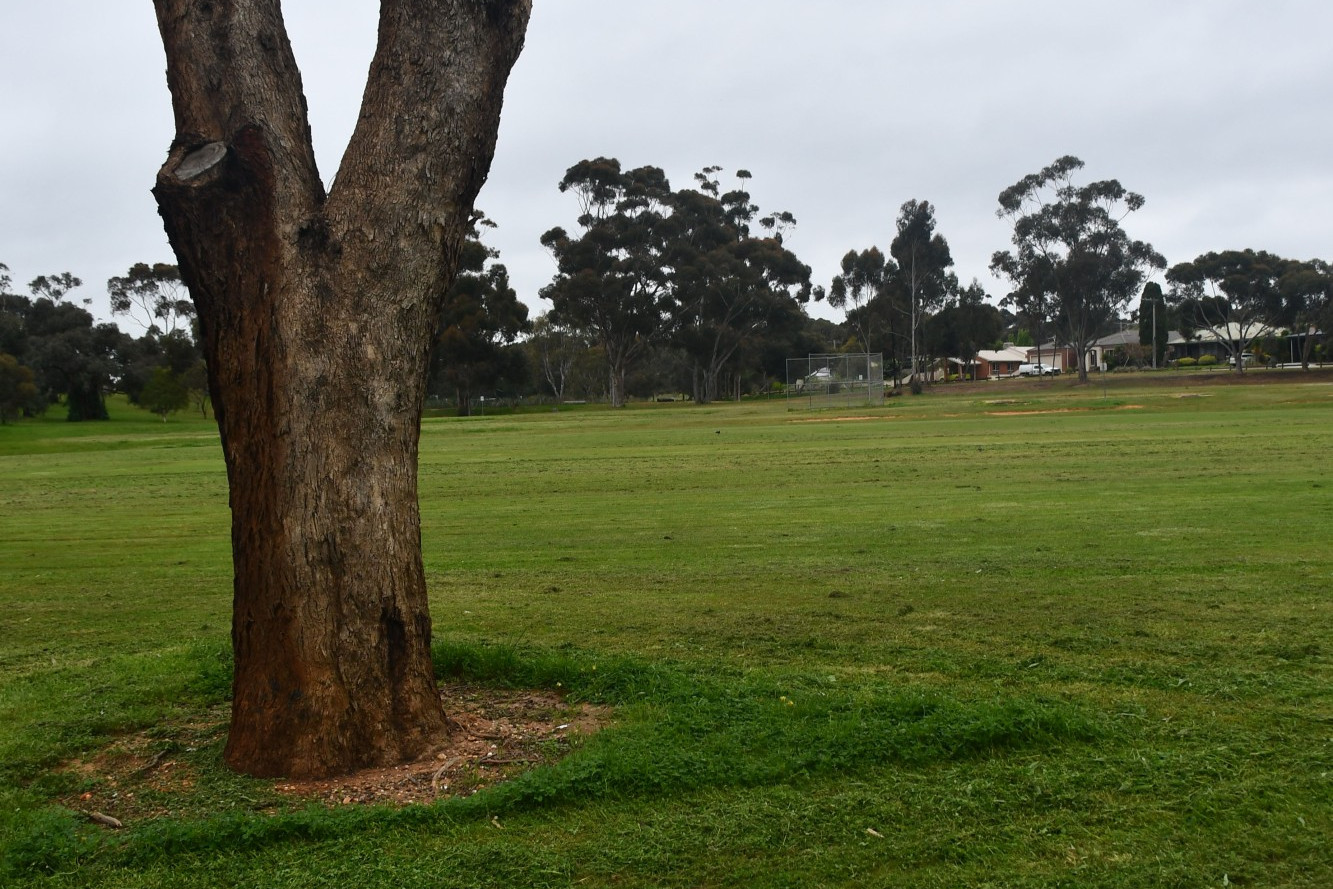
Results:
<point x="495" y="734"/>
<point x="841" y="419"/>
<point x="1063" y="410"/>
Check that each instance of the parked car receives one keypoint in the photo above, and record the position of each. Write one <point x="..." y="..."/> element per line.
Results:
<point x="1035" y="370"/>
<point x="1246" y="357"/>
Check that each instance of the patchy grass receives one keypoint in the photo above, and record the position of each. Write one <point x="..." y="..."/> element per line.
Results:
<point x="935" y="644"/>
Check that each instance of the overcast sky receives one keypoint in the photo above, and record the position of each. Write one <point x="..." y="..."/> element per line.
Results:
<point x="1217" y="111"/>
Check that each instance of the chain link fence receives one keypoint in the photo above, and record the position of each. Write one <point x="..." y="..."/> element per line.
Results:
<point x="835" y="380"/>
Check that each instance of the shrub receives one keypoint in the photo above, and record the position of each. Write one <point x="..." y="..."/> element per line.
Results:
<point x="1186" y="362"/>
<point x="1207" y="360"/>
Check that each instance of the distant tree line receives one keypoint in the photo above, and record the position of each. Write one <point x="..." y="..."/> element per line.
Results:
<point x="694" y="292"/>
<point x="52" y="350"/>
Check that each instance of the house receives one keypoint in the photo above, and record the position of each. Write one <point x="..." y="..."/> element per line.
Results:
<point x="1100" y="350"/>
<point x="1059" y="357"/>
<point x="991" y="363"/>
<point x="1214" y="342"/>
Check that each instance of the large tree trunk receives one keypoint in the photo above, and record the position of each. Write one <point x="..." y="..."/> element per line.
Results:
<point x="317" y="313"/>
<point x="617" y="382"/>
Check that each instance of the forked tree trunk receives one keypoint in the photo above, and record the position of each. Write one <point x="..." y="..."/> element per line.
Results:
<point x="317" y="313"/>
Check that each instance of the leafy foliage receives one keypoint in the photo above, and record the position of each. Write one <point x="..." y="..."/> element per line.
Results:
<point x="732" y="288"/>
<point x="1154" y="322"/>
<point x="964" y="327"/>
<point x="1250" y="299"/>
<point x="1073" y="267"/>
<point x="18" y="391"/>
<point x="611" y="282"/>
<point x="653" y="265"/>
<point x="153" y="295"/>
<point x="165" y="394"/>
<point x="480" y="317"/>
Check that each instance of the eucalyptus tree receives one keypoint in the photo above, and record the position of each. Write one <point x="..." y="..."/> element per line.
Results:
<point x="864" y="277"/>
<point x="18" y="389"/>
<point x="317" y="309"/>
<point x="1307" y="303"/>
<point x="1072" y="260"/>
<point x="153" y="295"/>
<point x="732" y="285"/>
<point x="1235" y="295"/>
<point x="923" y="260"/>
<point x="73" y="356"/>
<point x="611" y="281"/>
<point x="555" y="350"/>
<point x="966" y="325"/>
<point x="480" y="318"/>
<point x="53" y="287"/>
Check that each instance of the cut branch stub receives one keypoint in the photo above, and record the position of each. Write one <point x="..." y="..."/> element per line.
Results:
<point x="200" y="161"/>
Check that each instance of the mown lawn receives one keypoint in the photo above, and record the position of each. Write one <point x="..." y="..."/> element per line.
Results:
<point x="1020" y="635"/>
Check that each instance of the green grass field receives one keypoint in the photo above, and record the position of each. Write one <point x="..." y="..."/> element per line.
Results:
<point x="1011" y="635"/>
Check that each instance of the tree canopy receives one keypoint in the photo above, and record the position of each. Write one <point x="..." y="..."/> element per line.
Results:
<point x="1072" y="265"/>
<point x="480" y="317"/>
<point x="1234" y="295"/>
<point x="153" y="295"/>
<point x="652" y="265"/>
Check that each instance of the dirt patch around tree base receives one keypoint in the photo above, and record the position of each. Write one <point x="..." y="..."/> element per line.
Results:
<point x="494" y="735"/>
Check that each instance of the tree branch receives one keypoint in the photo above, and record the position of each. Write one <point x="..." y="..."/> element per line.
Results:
<point x="230" y="68"/>
<point x="431" y="70"/>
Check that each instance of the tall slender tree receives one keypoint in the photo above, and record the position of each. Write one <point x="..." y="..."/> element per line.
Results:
<point x="923" y="260"/>
<point x="1153" y="322"/>
<point x="317" y="311"/>
<point x="481" y="318"/>
<point x="863" y="277"/>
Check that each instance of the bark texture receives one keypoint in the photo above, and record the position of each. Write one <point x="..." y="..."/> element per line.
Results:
<point x="317" y="312"/>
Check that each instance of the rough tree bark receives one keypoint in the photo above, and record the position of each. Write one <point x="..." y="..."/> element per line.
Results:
<point x="317" y="312"/>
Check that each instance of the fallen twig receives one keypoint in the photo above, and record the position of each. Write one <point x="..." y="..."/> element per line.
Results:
<point x="439" y="773"/>
<point x="106" y="820"/>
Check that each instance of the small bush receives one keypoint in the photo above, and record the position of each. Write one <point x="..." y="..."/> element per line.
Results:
<point x="1186" y="362"/>
<point x="1207" y="360"/>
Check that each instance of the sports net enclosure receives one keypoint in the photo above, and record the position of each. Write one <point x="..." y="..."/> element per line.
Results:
<point x="835" y="380"/>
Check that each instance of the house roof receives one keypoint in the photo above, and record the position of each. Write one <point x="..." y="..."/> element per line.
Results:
<point x="1119" y="338"/>
<point x="1231" y="332"/>
<point x="995" y="355"/>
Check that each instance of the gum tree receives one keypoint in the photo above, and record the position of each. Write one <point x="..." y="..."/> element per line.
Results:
<point x="317" y="310"/>
<point x="732" y="280"/>
<point x="610" y="280"/>
<point x="923" y="259"/>
<point x="153" y="295"/>
<point x="1234" y="295"/>
<point x="1071" y="256"/>
<point x="862" y="279"/>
